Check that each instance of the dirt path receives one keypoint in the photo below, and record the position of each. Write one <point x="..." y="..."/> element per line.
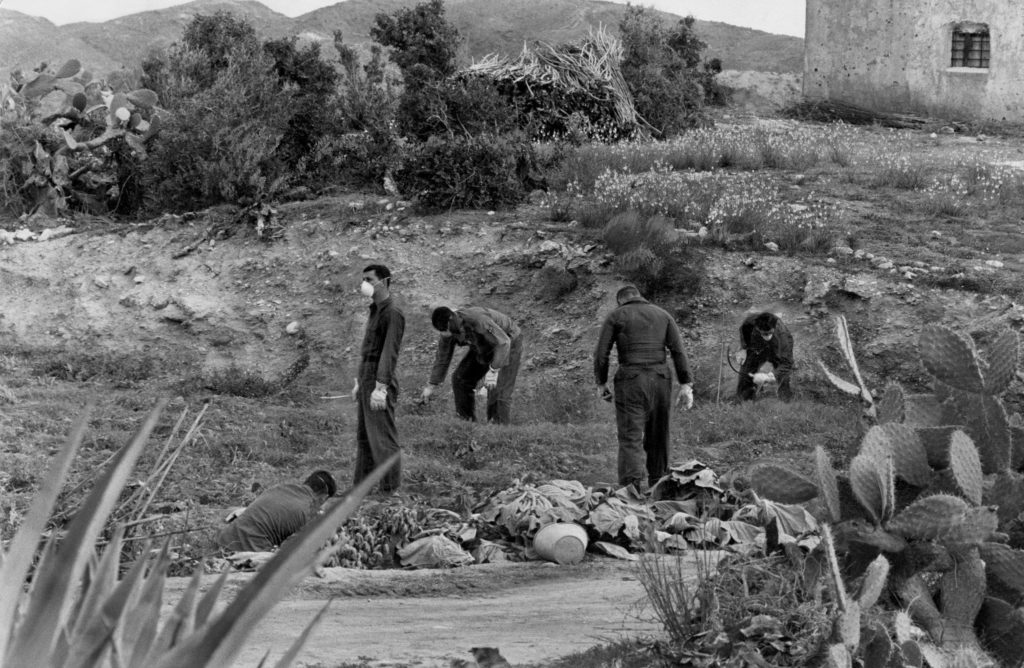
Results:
<point x="533" y="612"/>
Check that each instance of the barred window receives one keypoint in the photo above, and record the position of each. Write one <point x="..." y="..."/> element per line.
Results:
<point x="970" y="48"/>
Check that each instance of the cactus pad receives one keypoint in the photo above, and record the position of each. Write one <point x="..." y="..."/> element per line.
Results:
<point x="1002" y="629"/>
<point x="143" y="97"/>
<point x="848" y="626"/>
<point x="977" y="527"/>
<point x="874" y="582"/>
<point x="1003" y="357"/>
<point x="951" y="359"/>
<point x="1007" y="494"/>
<point x="868" y="478"/>
<point x="929" y="517"/>
<point x="1016" y="447"/>
<point x="69" y="69"/>
<point x="781" y="484"/>
<point x="963" y="592"/>
<point x="910" y="460"/>
<point x="1005" y="571"/>
<point x="985" y="421"/>
<point x="878" y="647"/>
<point x="838" y="656"/>
<point x="891" y="404"/>
<point x="922" y="410"/>
<point x="828" y="488"/>
<point x="966" y="466"/>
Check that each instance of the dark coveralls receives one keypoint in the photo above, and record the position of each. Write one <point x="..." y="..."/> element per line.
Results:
<point x="494" y="341"/>
<point x="778" y="351"/>
<point x="274" y="516"/>
<point x="376" y="432"/>
<point x="641" y="333"/>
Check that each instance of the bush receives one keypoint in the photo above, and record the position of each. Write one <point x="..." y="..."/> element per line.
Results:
<point x="485" y="171"/>
<point x="122" y="368"/>
<point x="650" y="253"/>
<point x="663" y="70"/>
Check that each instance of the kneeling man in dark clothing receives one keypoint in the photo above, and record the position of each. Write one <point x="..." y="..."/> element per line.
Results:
<point x="276" y="514"/>
<point x="764" y="338"/>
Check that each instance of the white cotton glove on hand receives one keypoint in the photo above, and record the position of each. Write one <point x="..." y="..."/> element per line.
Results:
<point x="427" y="392"/>
<point x="762" y="378"/>
<point x="379" y="397"/>
<point x="491" y="379"/>
<point x="355" y="390"/>
<point x="685" y="398"/>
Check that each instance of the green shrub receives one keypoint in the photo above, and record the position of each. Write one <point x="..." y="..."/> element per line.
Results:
<point x="662" y="68"/>
<point x="484" y="171"/>
<point x="650" y="253"/>
<point x="123" y="368"/>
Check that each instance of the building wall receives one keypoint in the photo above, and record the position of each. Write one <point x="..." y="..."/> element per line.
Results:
<point x="894" y="55"/>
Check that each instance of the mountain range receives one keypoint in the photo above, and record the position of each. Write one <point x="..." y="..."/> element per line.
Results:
<point x="487" y="26"/>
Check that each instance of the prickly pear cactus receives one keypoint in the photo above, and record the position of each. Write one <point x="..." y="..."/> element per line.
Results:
<point x="781" y="484"/>
<point x="965" y="465"/>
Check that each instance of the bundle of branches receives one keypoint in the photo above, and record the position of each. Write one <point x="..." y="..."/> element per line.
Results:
<point x="551" y="83"/>
<point x="832" y="110"/>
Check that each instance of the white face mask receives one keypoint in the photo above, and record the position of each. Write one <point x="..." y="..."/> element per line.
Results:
<point x="366" y="288"/>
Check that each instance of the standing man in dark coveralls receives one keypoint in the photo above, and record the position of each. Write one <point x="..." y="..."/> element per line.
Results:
<point x="495" y="351"/>
<point x="641" y="333"/>
<point x="764" y="338"/>
<point x="376" y="388"/>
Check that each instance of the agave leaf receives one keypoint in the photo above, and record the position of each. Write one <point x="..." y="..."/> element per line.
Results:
<point x="218" y="642"/>
<point x="181" y="622"/>
<point x="209" y="600"/>
<point x="827" y="483"/>
<point x="844" y="385"/>
<point x="54" y="589"/>
<point x="18" y="558"/>
<point x="296" y="647"/>
<point x="846" y="345"/>
<point x="143" y="618"/>
<point x="101" y="628"/>
<point x="100" y="585"/>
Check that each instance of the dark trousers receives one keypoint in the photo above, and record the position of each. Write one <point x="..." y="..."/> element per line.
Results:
<point x="643" y="404"/>
<point x="745" y="388"/>
<point x="376" y="435"/>
<point x="499" y="401"/>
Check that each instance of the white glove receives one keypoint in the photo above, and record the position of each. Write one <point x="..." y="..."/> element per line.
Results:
<point x="491" y="379"/>
<point x="233" y="515"/>
<point x="355" y="390"/>
<point x="762" y="378"/>
<point x="605" y="392"/>
<point x="685" y="396"/>
<point x="740" y="356"/>
<point x="428" y="391"/>
<point x="379" y="397"/>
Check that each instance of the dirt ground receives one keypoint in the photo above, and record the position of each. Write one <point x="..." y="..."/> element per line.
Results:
<point x="532" y="612"/>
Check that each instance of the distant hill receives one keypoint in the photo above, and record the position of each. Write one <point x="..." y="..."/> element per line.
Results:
<point x="487" y="26"/>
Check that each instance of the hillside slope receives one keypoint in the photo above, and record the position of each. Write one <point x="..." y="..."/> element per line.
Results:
<point x="487" y="26"/>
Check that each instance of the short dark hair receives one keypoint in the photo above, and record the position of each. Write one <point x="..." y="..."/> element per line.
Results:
<point x="379" y="270"/>
<point x="766" y="321"/>
<point x="626" y="292"/>
<point x="440" y="318"/>
<point x="322" y="482"/>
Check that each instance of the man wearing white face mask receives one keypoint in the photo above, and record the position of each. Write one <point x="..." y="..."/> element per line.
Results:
<point x="376" y="386"/>
<point x="764" y="339"/>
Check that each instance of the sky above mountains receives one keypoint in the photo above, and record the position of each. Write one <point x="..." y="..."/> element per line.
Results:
<point x="784" y="17"/>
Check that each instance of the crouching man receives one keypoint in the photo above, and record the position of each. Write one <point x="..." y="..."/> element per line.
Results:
<point x="276" y="514"/>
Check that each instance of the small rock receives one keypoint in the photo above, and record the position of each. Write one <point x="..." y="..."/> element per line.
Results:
<point x="292" y="328"/>
<point x="885" y="266"/>
<point x="994" y="263"/>
<point x="830" y="260"/>
<point x="24" y="234"/>
<point x="909" y="275"/>
<point x="703" y="232"/>
<point x="842" y="251"/>
<point x="859" y="254"/>
<point x="101" y="282"/>
<point x="174" y="313"/>
<point x="918" y="264"/>
<point x="159" y="302"/>
<point x="139" y="279"/>
<point x="869" y="256"/>
<point x="772" y="246"/>
<point x="936" y="233"/>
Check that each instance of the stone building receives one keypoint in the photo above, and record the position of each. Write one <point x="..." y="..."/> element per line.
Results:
<point x="952" y="59"/>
